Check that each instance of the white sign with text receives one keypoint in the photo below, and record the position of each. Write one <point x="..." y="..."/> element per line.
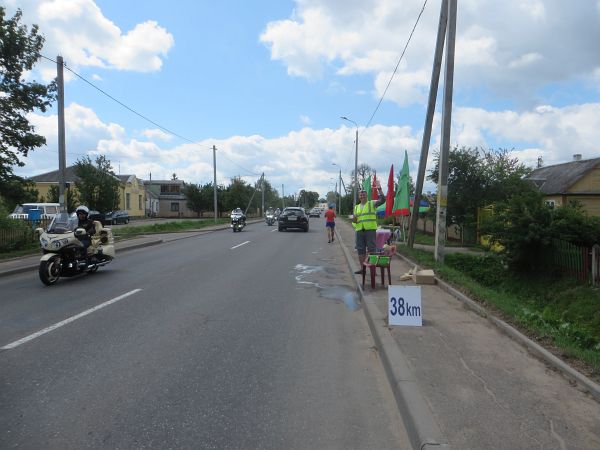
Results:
<point x="404" y="306"/>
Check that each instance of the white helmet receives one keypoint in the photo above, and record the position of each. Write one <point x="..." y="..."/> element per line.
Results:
<point x="82" y="208"/>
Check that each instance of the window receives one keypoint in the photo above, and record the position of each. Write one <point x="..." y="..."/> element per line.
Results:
<point x="139" y="202"/>
<point x="51" y="210"/>
<point x="549" y="203"/>
<point x="175" y="206"/>
<point x="128" y="201"/>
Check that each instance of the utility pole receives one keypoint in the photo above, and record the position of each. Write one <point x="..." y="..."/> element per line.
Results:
<point x="282" y="197"/>
<point x="262" y="188"/>
<point x="215" y="181"/>
<point x="340" y="196"/>
<point x="442" y="195"/>
<point x="433" y="88"/>
<point x="62" y="154"/>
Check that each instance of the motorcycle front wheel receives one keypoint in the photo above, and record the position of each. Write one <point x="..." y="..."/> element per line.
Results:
<point x="50" y="271"/>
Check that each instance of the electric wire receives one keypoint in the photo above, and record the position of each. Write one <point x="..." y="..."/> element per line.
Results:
<point x="142" y="116"/>
<point x="397" y="65"/>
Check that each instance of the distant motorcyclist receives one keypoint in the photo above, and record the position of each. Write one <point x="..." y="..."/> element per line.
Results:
<point x="270" y="211"/>
<point x="277" y="212"/>
<point x="237" y="212"/>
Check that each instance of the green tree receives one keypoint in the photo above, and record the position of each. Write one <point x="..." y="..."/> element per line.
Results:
<point x="307" y="199"/>
<point x="98" y="185"/>
<point x="478" y="178"/>
<point x="237" y="194"/>
<point x="19" y="50"/>
<point x="53" y="196"/>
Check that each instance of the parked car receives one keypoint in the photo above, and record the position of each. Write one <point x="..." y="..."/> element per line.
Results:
<point x="117" y="217"/>
<point x="37" y="211"/>
<point x="315" y="212"/>
<point x="292" y="217"/>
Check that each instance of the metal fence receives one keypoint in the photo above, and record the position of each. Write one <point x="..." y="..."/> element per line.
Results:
<point x="15" y="238"/>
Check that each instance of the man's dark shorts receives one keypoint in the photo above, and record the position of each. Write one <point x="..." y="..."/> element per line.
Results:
<point x="330" y="224"/>
<point x="365" y="240"/>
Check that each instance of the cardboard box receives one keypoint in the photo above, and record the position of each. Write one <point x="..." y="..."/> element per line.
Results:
<point x="424" y="277"/>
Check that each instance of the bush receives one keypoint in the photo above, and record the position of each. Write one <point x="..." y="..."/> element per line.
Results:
<point x="488" y="270"/>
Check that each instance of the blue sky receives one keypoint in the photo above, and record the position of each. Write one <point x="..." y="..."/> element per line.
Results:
<point x="266" y="82"/>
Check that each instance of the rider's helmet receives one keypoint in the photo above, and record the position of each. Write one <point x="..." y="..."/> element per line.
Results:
<point x="82" y="209"/>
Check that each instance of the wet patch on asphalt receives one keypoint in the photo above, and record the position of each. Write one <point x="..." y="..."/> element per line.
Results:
<point x="339" y="293"/>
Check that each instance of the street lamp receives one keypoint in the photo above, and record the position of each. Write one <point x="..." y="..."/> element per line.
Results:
<point x="355" y="162"/>
<point x="339" y="208"/>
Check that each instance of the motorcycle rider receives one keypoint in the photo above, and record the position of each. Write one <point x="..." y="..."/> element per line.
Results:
<point x="83" y="221"/>
<point x="237" y="212"/>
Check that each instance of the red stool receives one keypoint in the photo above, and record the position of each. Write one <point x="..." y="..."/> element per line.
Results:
<point x="373" y="272"/>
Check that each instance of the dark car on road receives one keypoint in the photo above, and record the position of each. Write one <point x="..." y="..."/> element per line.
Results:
<point x="116" y="217"/>
<point x="292" y="217"/>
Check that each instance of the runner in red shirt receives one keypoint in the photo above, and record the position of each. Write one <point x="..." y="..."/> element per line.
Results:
<point x="330" y="224"/>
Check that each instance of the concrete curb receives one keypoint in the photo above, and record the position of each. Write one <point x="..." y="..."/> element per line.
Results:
<point x="418" y="420"/>
<point x="584" y="383"/>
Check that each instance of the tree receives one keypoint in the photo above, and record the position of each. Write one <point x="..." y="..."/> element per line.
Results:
<point x="19" y="50"/>
<point x="53" y="195"/>
<point x="478" y="178"/>
<point x="238" y="194"/>
<point x="307" y="199"/>
<point x="98" y="185"/>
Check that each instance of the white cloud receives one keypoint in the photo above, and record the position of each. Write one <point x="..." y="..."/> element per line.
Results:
<point x="77" y="30"/>
<point x="514" y="47"/>
<point x="156" y="133"/>
<point x="305" y="120"/>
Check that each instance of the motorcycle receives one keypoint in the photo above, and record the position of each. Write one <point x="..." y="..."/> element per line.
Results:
<point x="237" y="223"/>
<point x="64" y="255"/>
<point x="270" y="219"/>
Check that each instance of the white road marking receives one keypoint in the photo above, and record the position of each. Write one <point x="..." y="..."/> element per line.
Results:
<point x="274" y="230"/>
<point x="239" y="245"/>
<point x="67" y="321"/>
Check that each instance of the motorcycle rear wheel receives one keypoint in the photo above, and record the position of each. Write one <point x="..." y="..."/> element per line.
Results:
<point x="50" y="271"/>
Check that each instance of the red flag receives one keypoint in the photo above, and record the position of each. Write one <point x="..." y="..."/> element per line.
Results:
<point x="389" y="197"/>
<point x="374" y="191"/>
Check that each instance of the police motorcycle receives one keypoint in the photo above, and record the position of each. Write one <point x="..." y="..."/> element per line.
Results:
<point x="238" y="220"/>
<point x="270" y="217"/>
<point x="64" y="255"/>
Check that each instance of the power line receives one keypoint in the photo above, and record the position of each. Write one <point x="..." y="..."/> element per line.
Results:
<point x="142" y="116"/>
<point x="397" y="65"/>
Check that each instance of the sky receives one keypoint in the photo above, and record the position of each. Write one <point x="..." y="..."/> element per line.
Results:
<point x="267" y="81"/>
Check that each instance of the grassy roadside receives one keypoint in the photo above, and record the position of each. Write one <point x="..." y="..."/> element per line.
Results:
<point x="559" y="314"/>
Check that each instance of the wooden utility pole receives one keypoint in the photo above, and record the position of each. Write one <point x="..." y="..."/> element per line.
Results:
<point x="215" y="182"/>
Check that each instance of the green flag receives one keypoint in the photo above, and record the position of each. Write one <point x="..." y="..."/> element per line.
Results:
<point x="402" y="201"/>
<point x="367" y="187"/>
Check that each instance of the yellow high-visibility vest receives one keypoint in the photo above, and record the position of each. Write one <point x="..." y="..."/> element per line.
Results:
<point x="366" y="216"/>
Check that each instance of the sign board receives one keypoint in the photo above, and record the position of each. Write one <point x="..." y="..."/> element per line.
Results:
<point x="404" y="306"/>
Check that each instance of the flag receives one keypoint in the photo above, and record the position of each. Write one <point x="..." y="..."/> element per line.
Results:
<point x="374" y="193"/>
<point x="367" y="186"/>
<point x="401" y="201"/>
<point x="389" y="197"/>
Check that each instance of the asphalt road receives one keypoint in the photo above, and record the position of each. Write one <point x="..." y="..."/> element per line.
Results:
<point x="223" y="340"/>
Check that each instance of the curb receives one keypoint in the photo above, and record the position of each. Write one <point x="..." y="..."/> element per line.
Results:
<point x="583" y="382"/>
<point x="418" y="420"/>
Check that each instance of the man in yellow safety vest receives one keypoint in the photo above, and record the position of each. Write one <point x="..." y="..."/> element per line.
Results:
<point x="365" y="224"/>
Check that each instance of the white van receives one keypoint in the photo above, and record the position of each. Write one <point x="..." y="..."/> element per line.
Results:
<point x="38" y="211"/>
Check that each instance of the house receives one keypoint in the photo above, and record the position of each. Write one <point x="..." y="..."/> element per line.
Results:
<point x="132" y="194"/>
<point x="171" y="200"/>
<point x="577" y="180"/>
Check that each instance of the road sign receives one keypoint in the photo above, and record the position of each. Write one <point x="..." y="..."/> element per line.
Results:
<point x="404" y="306"/>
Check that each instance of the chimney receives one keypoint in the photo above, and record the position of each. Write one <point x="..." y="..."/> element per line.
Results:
<point x="577" y="157"/>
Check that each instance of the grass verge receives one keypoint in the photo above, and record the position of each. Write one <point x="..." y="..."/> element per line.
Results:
<point x="556" y="312"/>
<point x="166" y="227"/>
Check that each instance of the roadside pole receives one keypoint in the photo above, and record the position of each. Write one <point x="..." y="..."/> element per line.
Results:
<point x="215" y="181"/>
<point x="62" y="156"/>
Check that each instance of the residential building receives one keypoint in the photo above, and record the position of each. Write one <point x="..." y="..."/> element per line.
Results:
<point x="132" y="194"/>
<point x="171" y="200"/>
<point x="577" y="180"/>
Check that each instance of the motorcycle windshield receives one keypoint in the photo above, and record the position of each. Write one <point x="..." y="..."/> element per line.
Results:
<point x="62" y="223"/>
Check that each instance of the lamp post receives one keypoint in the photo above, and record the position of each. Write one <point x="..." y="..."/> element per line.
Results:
<point x="339" y="196"/>
<point x="355" y="163"/>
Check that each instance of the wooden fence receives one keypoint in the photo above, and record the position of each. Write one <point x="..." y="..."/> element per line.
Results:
<point x="580" y="262"/>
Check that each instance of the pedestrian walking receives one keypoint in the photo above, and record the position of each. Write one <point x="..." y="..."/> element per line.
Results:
<point x="330" y="224"/>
